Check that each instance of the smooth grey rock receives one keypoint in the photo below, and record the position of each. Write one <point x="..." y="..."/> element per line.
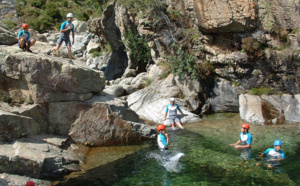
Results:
<point x="80" y="26"/>
<point x="225" y="97"/>
<point x="115" y="90"/>
<point x="6" y="36"/>
<point x="126" y="81"/>
<point x="16" y="180"/>
<point x="92" y="47"/>
<point x="291" y="108"/>
<point x="129" y="89"/>
<point x="129" y="73"/>
<point x="250" y="108"/>
<point x="78" y="47"/>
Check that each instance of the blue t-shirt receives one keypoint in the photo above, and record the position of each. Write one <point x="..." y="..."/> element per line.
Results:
<point x="24" y="34"/>
<point x="65" y="25"/>
<point x="246" y="138"/>
<point x="161" y="140"/>
<point x="274" y="154"/>
<point x="167" y="107"/>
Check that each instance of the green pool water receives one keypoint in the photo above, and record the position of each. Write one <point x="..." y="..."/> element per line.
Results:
<point x="208" y="160"/>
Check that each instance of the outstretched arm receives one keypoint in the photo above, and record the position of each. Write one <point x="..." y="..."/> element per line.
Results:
<point x="234" y="144"/>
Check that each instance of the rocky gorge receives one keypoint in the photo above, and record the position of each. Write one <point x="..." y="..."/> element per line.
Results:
<point x="239" y="48"/>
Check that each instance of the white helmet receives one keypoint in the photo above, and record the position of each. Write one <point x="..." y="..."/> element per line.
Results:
<point x="70" y="15"/>
<point x="172" y="99"/>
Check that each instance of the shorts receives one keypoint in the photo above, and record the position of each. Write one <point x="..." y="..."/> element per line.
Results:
<point x="67" y="41"/>
<point x="165" y="154"/>
<point x="246" y="153"/>
<point x="24" y="47"/>
<point x="173" y="120"/>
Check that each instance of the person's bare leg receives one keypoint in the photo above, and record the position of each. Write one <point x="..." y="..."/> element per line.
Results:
<point x="69" y="52"/>
<point x="22" y="41"/>
<point x="32" y="42"/>
<point x="173" y="125"/>
<point x="179" y="124"/>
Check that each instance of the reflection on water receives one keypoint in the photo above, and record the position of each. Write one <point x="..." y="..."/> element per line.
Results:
<point x="208" y="160"/>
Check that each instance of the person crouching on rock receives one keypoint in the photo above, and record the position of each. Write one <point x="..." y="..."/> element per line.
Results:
<point x="163" y="141"/>
<point x="23" y="38"/>
<point x="171" y="112"/>
<point x="66" y="28"/>
<point x="246" y="140"/>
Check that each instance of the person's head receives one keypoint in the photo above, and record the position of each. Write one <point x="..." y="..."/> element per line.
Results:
<point x="172" y="101"/>
<point x="25" y="26"/>
<point x="30" y="183"/>
<point x="245" y="128"/>
<point x="70" y="17"/>
<point x="161" y="128"/>
<point x="277" y="144"/>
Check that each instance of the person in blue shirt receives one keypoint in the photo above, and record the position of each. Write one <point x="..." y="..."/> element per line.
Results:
<point x="245" y="140"/>
<point x="274" y="155"/>
<point x="66" y="28"/>
<point x="24" y="41"/>
<point x="163" y="141"/>
<point x="171" y="114"/>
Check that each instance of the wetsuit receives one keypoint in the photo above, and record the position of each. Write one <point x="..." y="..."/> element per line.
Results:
<point x="24" y="34"/>
<point x="246" y="139"/>
<point x="162" y="143"/>
<point x="66" y="35"/>
<point x="172" y="113"/>
<point x="272" y="153"/>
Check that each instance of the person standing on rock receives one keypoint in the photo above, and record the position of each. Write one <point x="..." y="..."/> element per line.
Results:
<point x="246" y="140"/>
<point x="171" y="114"/>
<point x="66" y="28"/>
<point x="23" y="38"/>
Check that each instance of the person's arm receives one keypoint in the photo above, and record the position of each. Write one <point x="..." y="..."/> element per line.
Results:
<point x="166" y="113"/>
<point x="234" y="144"/>
<point x="178" y="108"/>
<point x="167" y="136"/>
<point x="63" y="29"/>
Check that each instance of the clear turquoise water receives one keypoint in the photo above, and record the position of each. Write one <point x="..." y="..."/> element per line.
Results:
<point x="208" y="160"/>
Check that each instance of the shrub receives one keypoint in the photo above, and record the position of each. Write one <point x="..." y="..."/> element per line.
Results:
<point x="97" y="54"/>
<point x="37" y="3"/>
<point x="4" y="97"/>
<point x="137" y="46"/>
<point x="9" y="23"/>
<point x="252" y="48"/>
<point x="262" y="90"/>
<point x="53" y="12"/>
<point x="147" y="82"/>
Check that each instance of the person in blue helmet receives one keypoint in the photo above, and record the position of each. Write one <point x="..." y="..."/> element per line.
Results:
<point x="171" y="114"/>
<point x="163" y="141"/>
<point x="24" y="41"/>
<point x="245" y="140"/>
<point x="66" y="28"/>
<point x="274" y="155"/>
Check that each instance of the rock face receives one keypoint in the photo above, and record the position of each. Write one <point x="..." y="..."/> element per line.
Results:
<point x="6" y="36"/>
<point x="37" y="157"/>
<point x="31" y="78"/>
<point x="270" y="109"/>
<point x="225" y="97"/>
<point x="118" y="61"/>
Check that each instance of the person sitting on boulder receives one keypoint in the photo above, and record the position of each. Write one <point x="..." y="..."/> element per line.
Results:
<point x="171" y="112"/>
<point x="246" y="140"/>
<point x="66" y="28"/>
<point x="274" y="155"/>
<point x="23" y="38"/>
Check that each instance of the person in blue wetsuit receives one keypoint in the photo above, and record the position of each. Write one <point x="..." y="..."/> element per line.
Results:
<point x="66" y="28"/>
<point x="171" y="114"/>
<point x="274" y="155"/>
<point x="24" y="41"/>
<point x="163" y="141"/>
<point x="245" y="140"/>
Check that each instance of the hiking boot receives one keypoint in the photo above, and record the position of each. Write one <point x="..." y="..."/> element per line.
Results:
<point x="49" y="52"/>
<point x="71" y="62"/>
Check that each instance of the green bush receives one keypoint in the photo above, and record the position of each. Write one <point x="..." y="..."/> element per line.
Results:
<point x="9" y="23"/>
<point x="261" y="91"/>
<point x="97" y="54"/>
<point x="147" y="82"/>
<point x="37" y="3"/>
<point x="53" y="12"/>
<point x="137" y="46"/>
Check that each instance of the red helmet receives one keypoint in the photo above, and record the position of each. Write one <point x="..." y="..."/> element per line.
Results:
<point x="30" y="183"/>
<point x="161" y="127"/>
<point x="246" y="126"/>
<point x="25" y="25"/>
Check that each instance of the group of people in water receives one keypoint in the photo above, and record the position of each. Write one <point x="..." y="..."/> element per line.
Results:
<point x="274" y="155"/>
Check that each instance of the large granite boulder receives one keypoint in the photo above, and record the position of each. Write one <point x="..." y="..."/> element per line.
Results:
<point x="272" y="109"/>
<point x="6" y="36"/>
<point x="37" y="157"/>
<point x="103" y="120"/>
<point x="36" y="78"/>
<point x="80" y="26"/>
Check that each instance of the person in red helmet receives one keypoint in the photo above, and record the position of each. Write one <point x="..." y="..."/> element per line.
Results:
<point x="163" y="141"/>
<point x="24" y="41"/>
<point x="30" y="183"/>
<point x="246" y="140"/>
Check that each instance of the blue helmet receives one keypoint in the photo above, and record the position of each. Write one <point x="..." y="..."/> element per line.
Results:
<point x="277" y="142"/>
